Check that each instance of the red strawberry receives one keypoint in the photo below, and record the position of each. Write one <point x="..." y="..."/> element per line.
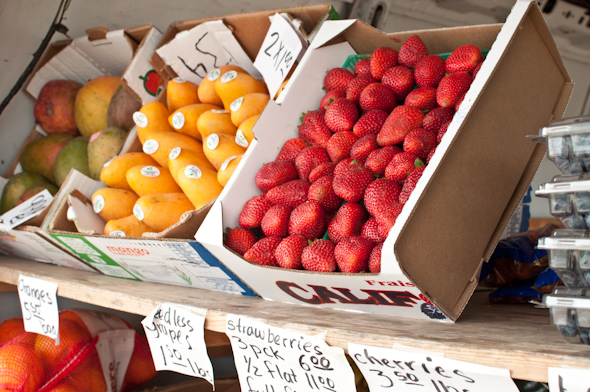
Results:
<point x="410" y="183"/>
<point x="401" y="121"/>
<point x="290" y="149"/>
<point x="362" y="67"/>
<point x="357" y="85"/>
<point x="308" y="220"/>
<point x="339" y="145"/>
<point x="361" y="149"/>
<point x="274" y="173"/>
<point x="412" y="51"/>
<point x="313" y="130"/>
<point x="419" y="141"/>
<point x="321" y="191"/>
<point x="330" y="97"/>
<point x="351" y="184"/>
<point x="344" y="165"/>
<point x="476" y="69"/>
<point x="291" y="193"/>
<point x="276" y="220"/>
<point x="341" y="115"/>
<point x="370" y="230"/>
<point x="442" y="131"/>
<point x="429" y="71"/>
<point x="239" y="240"/>
<point x="337" y="79"/>
<point x="435" y="118"/>
<point x="352" y="254"/>
<point x="380" y="195"/>
<point x="451" y="88"/>
<point x="382" y="59"/>
<point x="319" y="256"/>
<point x="309" y="158"/>
<point x="463" y="59"/>
<point x="386" y="218"/>
<point x="430" y="154"/>
<point x="378" y="159"/>
<point x="253" y="211"/>
<point x="401" y="80"/>
<point x="263" y="251"/>
<point x="288" y="252"/>
<point x="347" y="222"/>
<point x="370" y="122"/>
<point x="401" y="165"/>
<point x="461" y="98"/>
<point x="321" y="170"/>
<point x="377" y="96"/>
<point x="375" y="259"/>
<point x="423" y="98"/>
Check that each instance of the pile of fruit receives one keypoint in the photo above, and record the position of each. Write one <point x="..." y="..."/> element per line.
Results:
<point x="332" y="194"/>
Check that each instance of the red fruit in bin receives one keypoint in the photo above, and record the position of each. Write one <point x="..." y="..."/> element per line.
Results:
<point x="314" y="130"/>
<point x="401" y="79"/>
<point x="351" y="184"/>
<point x="357" y="85"/>
<point x="430" y="154"/>
<point x="291" y="193"/>
<point x="401" y="165"/>
<point x="382" y="59"/>
<point x="330" y="97"/>
<point x="352" y="254"/>
<point x="321" y="191"/>
<point x="339" y="145"/>
<point x="476" y="70"/>
<point x="263" y="251"/>
<point x="274" y="173"/>
<point x="423" y="98"/>
<point x="386" y="218"/>
<point x="362" y="67"/>
<point x="253" y="211"/>
<point x="370" y="230"/>
<point x="370" y="122"/>
<point x="308" y="159"/>
<point x="321" y="170"/>
<point x="375" y="258"/>
<point x="319" y="256"/>
<point x="361" y="149"/>
<point x="429" y="71"/>
<point x="288" y="252"/>
<point x="239" y="240"/>
<point x="308" y="220"/>
<point x="463" y="59"/>
<point x="347" y="222"/>
<point x="419" y="141"/>
<point x="290" y="149"/>
<point x="441" y="132"/>
<point x="276" y="220"/>
<point x="452" y="88"/>
<point x="377" y="96"/>
<point x="435" y="118"/>
<point x="380" y="195"/>
<point x="341" y="115"/>
<point x="401" y="121"/>
<point x="410" y="183"/>
<point x="344" y="165"/>
<point x="412" y="51"/>
<point x="337" y="79"/>
<point x="378" y="159"/>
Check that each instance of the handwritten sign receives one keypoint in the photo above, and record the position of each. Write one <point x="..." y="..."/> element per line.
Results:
<point x="569" y="379"/>
<point x="177" y="342"/>
<point x="38" y="301"/>
<point x="392" y="370"/>
<point x="270" y="359"/>
<point x="28" y="209"/>
<point x="279" y="51"/>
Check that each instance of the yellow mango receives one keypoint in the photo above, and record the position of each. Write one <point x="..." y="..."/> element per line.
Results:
<point x="215" y="121"/>
<point x="206" y="91"/>
<point x="233" y="85"/>
<point x="146" y="179"/>
<point x="180" y="158"/>
<point x="247" y="106"/>
<point x="181" y="92"/>
<point x="200" y="185"/>
<point x="158" y="145"/>
<point x="153" y="116"/>
<point x="113" y="203"/>
<point x="184" y="119"/>
<point x="227" y="169"/>
<point x="128" y="226"/>
<point x="218" y="147"/>
<point x="244" y="134"/>
<point x="113" y="173"/>
<point x="161" y="210"/>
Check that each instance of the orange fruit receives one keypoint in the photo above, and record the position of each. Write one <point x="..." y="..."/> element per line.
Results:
<point x="159" y="144"/>
<point x="162" y="210"/>
<point x="153" y="116"/>
<point x="206" y="91"/>
<point x="113" y="172"/>
<point x="244" y="134"/>
<point x="72" y="338"/>
<point x="21" y="368"/>
<point x="184" y="119"/>
<point x="247" y="106"/>
<point x="215" y="121"/>
<point x="233" y="85"/>
<point x="145" y="180"/>
<point x="200" y="185"/>
<point x="179" y="158"/>
<point x="141" y="367"/>
<point x="11" y="328"/>
<point x="92" y="103"/>
<point x="128" y="226"/>
<point x="113" y="203"/>
<point x="218" y="147"/>
<point x="227" y="169"/>
<point x="181" y="92"/>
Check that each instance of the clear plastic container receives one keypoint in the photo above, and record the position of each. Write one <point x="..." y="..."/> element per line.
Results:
<point x="570" y="313"/>
<point x="569" y="255"/>
<point x="568" y="144"/>
<point x="569" y="199"/>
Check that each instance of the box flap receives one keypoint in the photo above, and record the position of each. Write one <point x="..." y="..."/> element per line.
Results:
<point x="81" y="213"/>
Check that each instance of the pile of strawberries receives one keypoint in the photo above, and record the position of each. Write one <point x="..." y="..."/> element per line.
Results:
<point x="329" y="199"/>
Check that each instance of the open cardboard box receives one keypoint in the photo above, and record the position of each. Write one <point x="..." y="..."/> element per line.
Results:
<point x="454" y="218"/>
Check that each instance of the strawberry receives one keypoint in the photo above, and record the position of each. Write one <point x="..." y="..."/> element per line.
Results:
<point x="339" y="145"/>
<point x="290" y="149"/>
<point x="377" y="96"/>
<point x="401" y="165"/>
<point x="308" y="220"/>
<point x="276" y="220"/>
<point x="451" y="88"/>
<point x="430" y="154"/>
<point x="382" y="58"/>
<point x="380" y="195"/>
<point x="352" y="254"/>
<point x="351" y="184"/>
<point x="401" y="121"/>
<point x="262" y="252"/>
<point x="321" y="191"/>
<point x="288" y="252"/>
<point x="362" y="67"/>
<point x="253" y="211"/>
<point x="341" y="115"/>
<point x="370" y="230"/>
<point x="423" y="98"/>
<point x="291" y="193"/>
<point x="361" y="149"/>
<point x="330" y="97"/>
<point x="463" y="59"/>
<point x="347" y="222"/>
<point x="274" y="173"/>
<point x="378" y="159"/>
<point x="419" y="142"/>
<point x="370" y="122"/>
<point x="321" y="170"/>
<point x="357" y="85"/>
<point x="375" y="259"/>
<point x="412" y="51"/>
<point x="476" y="69"/>
<point x="239" y="240"/>
<point x="337" y="79"/>
<point x="309" y="158"/>
<point x="429" y="71"/>
<point x="435" y="118"/>
<point x="386" y="218"/>
<point x="344" y="165"/>
<point x="313" y="130"/>
<point x="319" y="256"/>
<point x="461" y="98"/>
<point x="442" y="131"/>
<point x="401" y="80"/>
<point x="410" y="183"/>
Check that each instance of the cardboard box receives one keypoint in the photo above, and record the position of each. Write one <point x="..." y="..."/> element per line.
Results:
<point x="454" y="218"/>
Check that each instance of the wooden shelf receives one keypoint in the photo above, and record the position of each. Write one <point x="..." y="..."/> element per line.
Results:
<point x="517" y="337"/>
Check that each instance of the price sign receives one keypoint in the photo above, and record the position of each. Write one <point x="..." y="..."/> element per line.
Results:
<point x="279" y="51"/>
<point x="569" y="379"/>
<point x="177" y="342"/>
<point x="392" y="370"/>
<point x="38" y="301"/>
<point x="274" y="359"/>
<point x="28" y="209"/>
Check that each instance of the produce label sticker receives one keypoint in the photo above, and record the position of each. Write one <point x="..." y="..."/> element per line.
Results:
<point x="393" y="370"/>
<point x="569" y="379"/>
<point x="269" y="358"/>
<point x="176" y="337"/>
<point x="28" y="209"/>
<point x="279" y="51"/>
<point x="38" y="301"/>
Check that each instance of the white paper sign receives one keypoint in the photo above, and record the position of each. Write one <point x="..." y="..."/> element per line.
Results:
<point x="569" y="379"/>
<point x="269" y="359"/>
<point x="114" y="348"/>
<point x="38" y="301"/>
<point x="28" y="209"/>
<point x="177" y="342"/>
<point x="392" y="370"/>
<point x="279" y="51"/>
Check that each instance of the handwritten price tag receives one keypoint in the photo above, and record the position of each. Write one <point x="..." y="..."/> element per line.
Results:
<point x="569" y="379"/>
<point x="279" y="51"/>
<point x="274" y="359"/>
<point x="38" y="301"/>
<point x="177" y="342"/>
<point x="391" y="370"/>
<point x="28" y="209"/>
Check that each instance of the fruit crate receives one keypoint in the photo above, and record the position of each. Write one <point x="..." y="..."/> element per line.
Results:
<point x="569" y="255"/>
<point x="569" y="199"/>
<point x="570" y="313"/>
